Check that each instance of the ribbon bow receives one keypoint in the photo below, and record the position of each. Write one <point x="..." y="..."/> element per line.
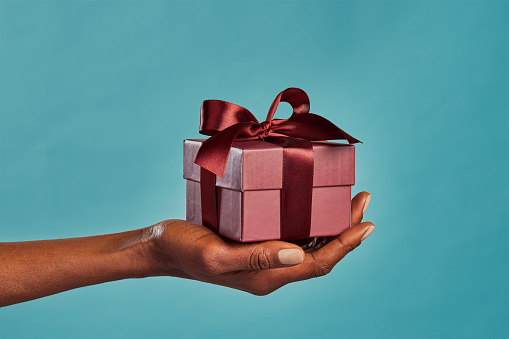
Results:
<point x="226" y="122"/>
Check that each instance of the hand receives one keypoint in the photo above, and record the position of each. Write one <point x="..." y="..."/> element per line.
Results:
<point x="187" y="250"/>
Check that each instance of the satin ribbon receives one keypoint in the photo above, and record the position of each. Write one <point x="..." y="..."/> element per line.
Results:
<point x="226" y="122"/>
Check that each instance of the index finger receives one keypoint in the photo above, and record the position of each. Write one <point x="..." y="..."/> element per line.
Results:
<point x="359" y="205"/>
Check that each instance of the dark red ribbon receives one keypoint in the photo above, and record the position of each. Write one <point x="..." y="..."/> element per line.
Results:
<point x="226" y="122"/>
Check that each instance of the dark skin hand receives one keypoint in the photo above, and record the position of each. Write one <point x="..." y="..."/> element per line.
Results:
<point x="35" y="269"/>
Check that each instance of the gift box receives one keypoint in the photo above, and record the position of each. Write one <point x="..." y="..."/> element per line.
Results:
<point x="278" y="179"/>
<point x="249" y="195"/>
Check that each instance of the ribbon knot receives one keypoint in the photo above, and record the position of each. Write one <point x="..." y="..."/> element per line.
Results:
<point x="266" y="126"/>
<point x="226" y="122"/>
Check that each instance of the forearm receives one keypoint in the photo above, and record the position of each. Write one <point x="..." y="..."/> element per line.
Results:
<point x="34" y="269"/>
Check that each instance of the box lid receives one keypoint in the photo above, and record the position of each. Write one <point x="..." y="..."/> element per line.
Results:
<point x="258" y="165"/>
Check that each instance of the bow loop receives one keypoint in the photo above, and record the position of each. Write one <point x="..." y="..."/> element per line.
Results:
<point x="296" y="97"/>
<point x="314" y="128"/>
<point x="217" y="115"/>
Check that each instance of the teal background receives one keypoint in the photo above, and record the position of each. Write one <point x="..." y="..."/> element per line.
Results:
<point x="97" y="96"/>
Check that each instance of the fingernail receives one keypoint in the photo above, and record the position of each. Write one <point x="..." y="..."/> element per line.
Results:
<point x="368" y="232"/>
<point x="366" y="204"/>
<point x="290" y="256"/>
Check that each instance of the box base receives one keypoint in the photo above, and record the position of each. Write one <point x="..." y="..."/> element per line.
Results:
<point x="255" y="215"/>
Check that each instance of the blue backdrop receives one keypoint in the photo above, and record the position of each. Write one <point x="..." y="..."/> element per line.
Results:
<point x="97" y="96"/>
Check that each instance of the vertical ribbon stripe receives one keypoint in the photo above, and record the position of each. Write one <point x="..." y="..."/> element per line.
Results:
<point x="208" y="200"/>
<point x="297" y="187"/>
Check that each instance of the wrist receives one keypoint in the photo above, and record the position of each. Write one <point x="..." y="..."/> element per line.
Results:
<point x="154" y="252"/>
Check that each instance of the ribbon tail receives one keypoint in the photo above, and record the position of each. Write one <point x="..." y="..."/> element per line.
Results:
<point x="297" y="187"/>
<point x="214" y="151"/>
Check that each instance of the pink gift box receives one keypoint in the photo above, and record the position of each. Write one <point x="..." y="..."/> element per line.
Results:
<point x="249" y="195"/>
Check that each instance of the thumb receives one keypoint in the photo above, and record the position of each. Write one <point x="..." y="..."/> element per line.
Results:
<point x="262" y="256"/>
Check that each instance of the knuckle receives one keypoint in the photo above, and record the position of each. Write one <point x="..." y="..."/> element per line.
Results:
<point x="259" y="259"/>
<point x="323" y="269"/>
<point x="347" y="248"/>
<point x="319" y="268"/>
